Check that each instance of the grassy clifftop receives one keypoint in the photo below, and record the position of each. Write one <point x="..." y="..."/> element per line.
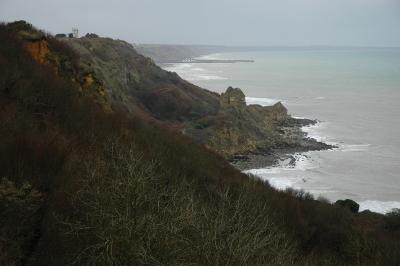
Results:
<point x="87" y="185"/>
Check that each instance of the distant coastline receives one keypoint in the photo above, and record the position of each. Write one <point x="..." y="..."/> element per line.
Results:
<point x="175" y="54"/>
<point x="211" y="61"/>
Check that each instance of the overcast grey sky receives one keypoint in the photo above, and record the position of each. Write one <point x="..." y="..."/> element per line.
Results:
<point x="226" y="22"/>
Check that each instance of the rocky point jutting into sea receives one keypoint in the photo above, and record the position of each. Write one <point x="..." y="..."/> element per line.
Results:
<point x="258" y="136"/>
<point x="249" y="136"/>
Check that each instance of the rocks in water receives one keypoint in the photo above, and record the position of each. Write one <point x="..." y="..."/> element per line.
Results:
<point x="297" y="122"/>
<point x="248" y="129"/>
<point x="350" y="204"/>
<point x="239" y="157"/>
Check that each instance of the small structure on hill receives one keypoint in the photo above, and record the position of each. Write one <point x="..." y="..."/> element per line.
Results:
<point x="61" y="35"/>
<point x="75" y="32"/>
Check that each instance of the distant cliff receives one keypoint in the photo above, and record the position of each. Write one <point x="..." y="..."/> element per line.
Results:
<point x="221" y="122"/>
<point x="115" y="74"/>
<point x="168" y="53"/>
<point x="176" y="53"/>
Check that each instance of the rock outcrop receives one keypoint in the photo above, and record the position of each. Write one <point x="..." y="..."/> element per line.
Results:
<point x="232" y="98"/>
<point x="241" y="129"/>
<point x="244" y="131"/>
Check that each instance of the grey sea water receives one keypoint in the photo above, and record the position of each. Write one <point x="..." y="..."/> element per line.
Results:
<point x="354" y="92"/>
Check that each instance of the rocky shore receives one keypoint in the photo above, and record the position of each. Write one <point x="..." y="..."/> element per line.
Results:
<point x="249" y="136"/>
<point x="292" y="129"/>
<point x="254" y="136"/>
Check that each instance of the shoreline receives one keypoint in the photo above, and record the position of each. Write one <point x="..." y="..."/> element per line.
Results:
<point x="270" y="159"/>
<point x="208" y="61"/>
<point x="301" y="143"/>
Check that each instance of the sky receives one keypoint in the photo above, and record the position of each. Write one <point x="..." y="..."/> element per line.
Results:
<point x="219" y="22"/>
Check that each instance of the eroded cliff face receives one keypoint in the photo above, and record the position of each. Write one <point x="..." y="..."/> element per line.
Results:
<point x="62" y="61"/>
<point x="117" y="77"/>
<point x="39" y="50"/>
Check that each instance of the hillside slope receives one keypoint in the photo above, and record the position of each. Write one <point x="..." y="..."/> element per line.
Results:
<point x="83" y="184"/>
<point x="135" y="81"/>
<point x="222" y="123"/>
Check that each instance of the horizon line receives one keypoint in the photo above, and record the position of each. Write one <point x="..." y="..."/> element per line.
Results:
<point x="267" y="46"/>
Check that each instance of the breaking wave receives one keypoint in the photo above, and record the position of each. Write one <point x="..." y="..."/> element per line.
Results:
<point x="261" y="101"/>
<point x="192" y="72"/>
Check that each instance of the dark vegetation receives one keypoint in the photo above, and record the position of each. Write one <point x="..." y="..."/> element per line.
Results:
<point x="350" y="204"/>
<point x="87" y="187"/>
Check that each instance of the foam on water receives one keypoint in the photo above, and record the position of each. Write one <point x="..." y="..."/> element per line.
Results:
<point x="192" y="72"/>
<point x="281" y="176"/>
<point x="354" y="147"/>
<point x="315" y="132"/>
<point x="277" y="182"/>
<point x="261" y="101"/>
<point x="320" y="98"/>
<point x="358" y="103"/>
<point x="210" y="57"/>
<point x="278" y="176"/>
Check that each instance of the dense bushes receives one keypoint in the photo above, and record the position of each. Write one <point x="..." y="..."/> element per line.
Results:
<point x="133" y="214"/>
<point x="19" y="206"/>
<point x="393" y="220"/>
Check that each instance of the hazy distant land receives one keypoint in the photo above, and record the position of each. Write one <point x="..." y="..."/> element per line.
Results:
<point x="176" y="53"/>
<point x="169" y="54"/>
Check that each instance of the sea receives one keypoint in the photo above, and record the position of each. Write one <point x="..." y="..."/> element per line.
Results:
<point x="354" y="93"/>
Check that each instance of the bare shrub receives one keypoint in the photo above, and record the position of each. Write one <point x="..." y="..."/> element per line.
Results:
<point x="133" y="215"/>
<point x="19" y="206"/>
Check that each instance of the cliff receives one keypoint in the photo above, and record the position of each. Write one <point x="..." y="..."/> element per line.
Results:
<point x="112" y="72"/>
<point x="221" y="122"/>
<point x="136" y="84"/>
<point x="58" y="58"/>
